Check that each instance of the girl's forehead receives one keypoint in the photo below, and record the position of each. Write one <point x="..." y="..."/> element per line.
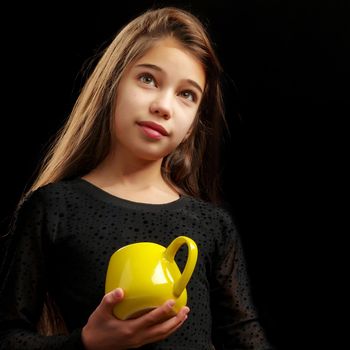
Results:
<point x="166" y="43"/>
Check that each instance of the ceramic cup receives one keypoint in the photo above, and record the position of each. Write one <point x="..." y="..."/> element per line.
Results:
<point x="149" y="275"/>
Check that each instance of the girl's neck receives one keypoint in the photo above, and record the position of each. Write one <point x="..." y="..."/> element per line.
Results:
<point x="136" y="181"/>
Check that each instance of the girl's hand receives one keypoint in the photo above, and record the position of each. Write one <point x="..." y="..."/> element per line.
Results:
<point x="104" y="331"/>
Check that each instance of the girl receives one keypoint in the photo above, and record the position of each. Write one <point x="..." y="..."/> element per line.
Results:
<point x="136" y="161"/>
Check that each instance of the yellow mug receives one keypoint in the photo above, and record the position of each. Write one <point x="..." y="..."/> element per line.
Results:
<point x="149" y="275"/>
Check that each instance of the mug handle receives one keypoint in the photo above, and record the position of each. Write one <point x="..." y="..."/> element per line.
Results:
<point x="170" y="253"/>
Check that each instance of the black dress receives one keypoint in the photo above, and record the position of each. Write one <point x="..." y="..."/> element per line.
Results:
<point x="61" y="243"/>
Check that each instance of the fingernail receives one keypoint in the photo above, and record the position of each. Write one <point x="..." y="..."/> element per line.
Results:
<point x="118" y="293"/>
<point x="186" y="310"/>
<point x="171" y="303"/>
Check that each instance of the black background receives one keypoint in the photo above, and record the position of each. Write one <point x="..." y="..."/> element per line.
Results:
<point x="286" y="92"/>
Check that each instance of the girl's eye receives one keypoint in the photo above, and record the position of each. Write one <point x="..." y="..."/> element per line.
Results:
<point x="189" y="95"/>
<point x="147" y="79"/>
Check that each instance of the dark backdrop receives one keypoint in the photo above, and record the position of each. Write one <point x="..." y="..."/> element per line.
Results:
<point x="286" y="91"/>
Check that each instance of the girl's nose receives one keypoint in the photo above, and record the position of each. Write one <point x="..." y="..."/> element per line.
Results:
<point x="161" y="107"/>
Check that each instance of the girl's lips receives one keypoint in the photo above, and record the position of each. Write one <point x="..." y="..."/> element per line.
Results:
<point x="153" y="129"/>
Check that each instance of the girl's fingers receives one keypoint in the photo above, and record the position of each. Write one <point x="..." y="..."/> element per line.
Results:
<point x="157" y="315"/>
<point x="110" y="299"/>
<point x="163" y="330"/>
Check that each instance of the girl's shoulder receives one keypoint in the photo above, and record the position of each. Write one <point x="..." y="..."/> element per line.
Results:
<point x="221" y="214"/>
<point x="219" y="220"/>
<point x="53" y="192"/>
<point x="49" y="190"/>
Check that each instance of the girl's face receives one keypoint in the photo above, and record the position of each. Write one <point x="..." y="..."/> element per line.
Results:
<point x="157" y="101"/>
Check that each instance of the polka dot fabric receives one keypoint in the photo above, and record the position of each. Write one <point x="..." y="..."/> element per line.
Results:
<point x="61" y="243"/>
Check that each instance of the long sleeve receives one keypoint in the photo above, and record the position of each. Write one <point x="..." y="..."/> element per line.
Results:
<point x="60" y="245"/>
<point x="235" y="319"/>
<point x="24" y="282"/>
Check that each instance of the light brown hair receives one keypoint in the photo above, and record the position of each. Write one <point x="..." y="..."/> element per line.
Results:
<point x="85" y="139"/>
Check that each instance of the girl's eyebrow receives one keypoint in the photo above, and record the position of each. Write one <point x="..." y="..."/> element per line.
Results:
<point x="153" y="66"/>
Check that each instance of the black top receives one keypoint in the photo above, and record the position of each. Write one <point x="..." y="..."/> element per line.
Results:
<point x="61" y="243"/>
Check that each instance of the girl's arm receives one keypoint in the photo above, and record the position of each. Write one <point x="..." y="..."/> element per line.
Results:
<point x="23" y="283"/>
<point x="234" y="316"/>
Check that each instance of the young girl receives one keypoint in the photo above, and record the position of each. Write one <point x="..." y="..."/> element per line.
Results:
<point x="136" y="161"/>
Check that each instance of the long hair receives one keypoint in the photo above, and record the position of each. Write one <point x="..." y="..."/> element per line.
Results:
<point x="85" y="139"/>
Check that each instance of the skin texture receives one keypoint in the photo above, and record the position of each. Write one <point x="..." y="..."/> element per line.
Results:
<point x="159" y="94"/>
<point x="157" y="101"/>
<point x="162" y="87"/>
<point x="104" y="331"/>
